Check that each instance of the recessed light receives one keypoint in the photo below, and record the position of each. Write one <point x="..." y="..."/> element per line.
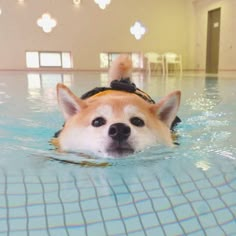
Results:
<point x="102" y="3"/>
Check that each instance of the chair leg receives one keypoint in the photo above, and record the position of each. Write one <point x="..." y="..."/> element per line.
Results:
<point x="180" y="68"/>
<point x="163" y="68"/>
<point x="149" y="68"/>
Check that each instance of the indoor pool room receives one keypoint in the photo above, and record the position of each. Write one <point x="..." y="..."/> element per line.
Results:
<point x="48" y="188"/>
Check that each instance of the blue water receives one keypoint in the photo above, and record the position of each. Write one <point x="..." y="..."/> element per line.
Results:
<point x="187" y="190"/>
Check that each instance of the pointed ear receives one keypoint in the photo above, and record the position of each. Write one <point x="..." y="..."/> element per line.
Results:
<point x="68" y="102"/>
<point x="167" y="107"/>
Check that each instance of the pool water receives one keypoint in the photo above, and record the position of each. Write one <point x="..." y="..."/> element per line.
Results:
<point x="187" y="190"/>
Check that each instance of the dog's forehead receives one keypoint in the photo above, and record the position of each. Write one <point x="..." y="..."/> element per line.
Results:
<point x="104" y="110"/>
<point x="131" y="109"/>
<point x="109" y="110"/>
<point x="118" y="102"/>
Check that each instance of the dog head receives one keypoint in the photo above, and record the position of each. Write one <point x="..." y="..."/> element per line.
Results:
<point x="115" y="123"/>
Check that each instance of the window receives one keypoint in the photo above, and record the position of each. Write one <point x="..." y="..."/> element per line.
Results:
<point x="138" y="30"/>
<point x="32" y="59"/>
<point x="48" y="59"/>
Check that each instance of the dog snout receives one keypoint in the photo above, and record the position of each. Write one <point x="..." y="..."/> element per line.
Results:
<point x="119" y="131"/>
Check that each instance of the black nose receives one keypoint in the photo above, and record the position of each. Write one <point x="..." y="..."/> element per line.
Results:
<point x="119" y="131"/>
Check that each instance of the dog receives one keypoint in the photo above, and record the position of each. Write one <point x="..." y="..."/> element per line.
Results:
<point x="115" y="121"/>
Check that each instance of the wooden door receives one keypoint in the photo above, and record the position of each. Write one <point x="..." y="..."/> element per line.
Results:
<point x="213" y="41"/>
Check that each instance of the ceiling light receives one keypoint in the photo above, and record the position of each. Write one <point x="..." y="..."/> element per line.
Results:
<point x="76" y="2"/>
<point x="102" y="3"/>
<point x="21" y="1"/>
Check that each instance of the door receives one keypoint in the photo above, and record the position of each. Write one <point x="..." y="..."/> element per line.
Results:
<point x="213" y="41"/>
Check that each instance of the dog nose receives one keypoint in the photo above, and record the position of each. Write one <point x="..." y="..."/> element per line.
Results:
<point x="119" y="131"/>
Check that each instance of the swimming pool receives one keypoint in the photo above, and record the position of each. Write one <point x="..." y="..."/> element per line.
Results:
<point x="188" y="190"/>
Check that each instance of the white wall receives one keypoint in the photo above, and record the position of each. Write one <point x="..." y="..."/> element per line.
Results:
<point x="87" y="31"/>
<point x="227" y="52"/>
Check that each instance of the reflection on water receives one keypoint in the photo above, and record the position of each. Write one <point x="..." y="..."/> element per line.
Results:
<point x="42" y="86"/>
<point x="207" y="99"/>
<point x="37" y="81"/>
<point x="211" y="91"/>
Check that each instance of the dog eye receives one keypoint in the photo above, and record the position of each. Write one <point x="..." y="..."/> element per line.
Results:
<point x="137" y="121"/>
<point x="99" y="121"/>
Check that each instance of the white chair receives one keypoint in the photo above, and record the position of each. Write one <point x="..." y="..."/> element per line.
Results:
<point x="153" y="60"/>
<point x="174" y="59"/>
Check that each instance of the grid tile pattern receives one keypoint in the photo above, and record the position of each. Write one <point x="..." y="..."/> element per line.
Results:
<point x="194" y="203"/>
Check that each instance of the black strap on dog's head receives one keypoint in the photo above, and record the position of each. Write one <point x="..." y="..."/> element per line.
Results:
<point x="123" y="84"/>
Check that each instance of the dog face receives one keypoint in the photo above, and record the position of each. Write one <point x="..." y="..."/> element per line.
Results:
<point x="114" y="123"/>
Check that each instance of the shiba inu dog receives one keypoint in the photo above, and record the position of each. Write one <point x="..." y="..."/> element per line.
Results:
<point x="115" y="121"/>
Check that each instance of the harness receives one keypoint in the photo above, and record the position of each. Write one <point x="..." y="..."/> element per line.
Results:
<point x="120" y="85"/>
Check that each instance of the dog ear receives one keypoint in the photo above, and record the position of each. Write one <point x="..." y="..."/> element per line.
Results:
<point x="167" y="107"/>
<point x="69" y="103"/>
